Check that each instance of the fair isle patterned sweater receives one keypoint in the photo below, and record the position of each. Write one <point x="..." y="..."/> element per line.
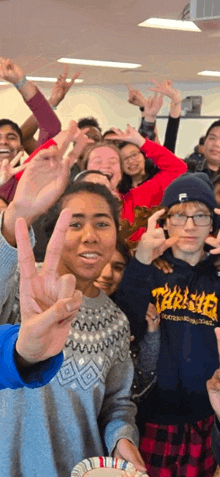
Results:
<point x="85" y="409"/>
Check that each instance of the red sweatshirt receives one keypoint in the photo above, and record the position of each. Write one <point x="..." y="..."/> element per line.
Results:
<point x="151" y="192"/>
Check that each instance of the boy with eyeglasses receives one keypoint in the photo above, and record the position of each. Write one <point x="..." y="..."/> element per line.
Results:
<point x="176" y="438"/>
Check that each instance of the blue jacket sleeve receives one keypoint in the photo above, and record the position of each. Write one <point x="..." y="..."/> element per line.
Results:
<point x="34" y="376"/>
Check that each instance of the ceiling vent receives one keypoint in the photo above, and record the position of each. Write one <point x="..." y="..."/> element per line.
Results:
<point x="206" y="14"/>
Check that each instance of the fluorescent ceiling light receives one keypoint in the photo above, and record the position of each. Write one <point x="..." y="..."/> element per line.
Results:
<point x="45" y="79"/>
<point x="110" y="64"/>
<point x="50" y="80"/>
<point x="169" y="24"/>
<point x="209" y="73"/>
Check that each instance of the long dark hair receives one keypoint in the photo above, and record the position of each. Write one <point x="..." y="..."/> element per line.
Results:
<point x="125" y="183"/>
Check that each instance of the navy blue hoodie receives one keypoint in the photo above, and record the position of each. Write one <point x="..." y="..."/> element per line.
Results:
<point x="188" y="303"/>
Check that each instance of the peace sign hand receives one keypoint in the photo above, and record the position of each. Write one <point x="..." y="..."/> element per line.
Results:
<point x="153" y="243"/>
<point x="8" y="169"/>
<point x="48" y="302"/>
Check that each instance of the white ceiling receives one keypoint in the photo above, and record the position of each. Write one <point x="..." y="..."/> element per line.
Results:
<point x="36" y="33"/>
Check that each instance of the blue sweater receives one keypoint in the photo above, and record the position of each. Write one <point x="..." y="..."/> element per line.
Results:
<point x="188" y="303"/>
<point x="34" y="376"/>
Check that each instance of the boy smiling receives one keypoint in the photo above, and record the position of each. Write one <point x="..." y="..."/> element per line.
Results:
<point x="176" y="439"/>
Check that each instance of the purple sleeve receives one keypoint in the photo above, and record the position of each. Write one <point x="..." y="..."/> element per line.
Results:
<point x="49" y="123"/>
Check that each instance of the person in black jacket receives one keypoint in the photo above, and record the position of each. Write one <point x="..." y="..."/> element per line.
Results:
<point x="176" y="439"/>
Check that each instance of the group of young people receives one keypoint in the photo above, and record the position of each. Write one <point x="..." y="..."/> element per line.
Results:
<point x="66" y="367"/>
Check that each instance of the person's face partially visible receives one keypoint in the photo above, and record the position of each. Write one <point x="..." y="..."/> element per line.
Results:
<point x="133" y="162"/>
<point x="93" y="133"/>
<point x="10" y="143"/>
<point x="111" y="274"/>
<point x="212" y="148"/>
<point x="106" y="160"/>
<point x="191" y="238"/>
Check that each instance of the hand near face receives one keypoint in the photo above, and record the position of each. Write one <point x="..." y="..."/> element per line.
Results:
<point x="8" y="169"/>
<point x="153" y="243"/>
<point x="9" y="71"/>
<point x="48" y="303"/>
<point x="130" y="134"/>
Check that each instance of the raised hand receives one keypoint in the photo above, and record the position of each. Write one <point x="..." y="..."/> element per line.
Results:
<point x="64" y="138"/>
<point x="135" y="97"/>
<point x="130" y="134"/>
<point x="61" y="87"/>
<point x="48" y="303"/>
<point x="166" y="88"/>
<point x="152" y="106"/>
<point x="8" y="169"/>
<point x="213" y="384"/>
<point x="9" y="71"/>
<point x="153" y="243"/>
<point x="41" y="184"/>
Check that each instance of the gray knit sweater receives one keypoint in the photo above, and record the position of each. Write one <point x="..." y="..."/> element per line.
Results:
<point x="85" y="409"/>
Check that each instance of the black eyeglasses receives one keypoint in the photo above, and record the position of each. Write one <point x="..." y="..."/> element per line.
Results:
<point x="200" y="220"/>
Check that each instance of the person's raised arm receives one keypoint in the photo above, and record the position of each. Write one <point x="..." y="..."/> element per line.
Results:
<point x="61" y="87"/>
<point x="48" y="303"/>
<point x="41" y="184"/>
<point x="170" y="165"/>
<point x="30" y="126"/>
<point x="168" y="90"/>
<point x="149" y="109"/>
<point x="11" y="72"/>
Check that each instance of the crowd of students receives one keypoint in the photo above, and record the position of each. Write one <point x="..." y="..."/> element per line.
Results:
<point x="102" y="234"/>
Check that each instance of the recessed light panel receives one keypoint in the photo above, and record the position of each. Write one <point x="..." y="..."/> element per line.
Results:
<point x="109" y="64"/>
<point x="169" y="24"/>
<point x="209" y="73"/>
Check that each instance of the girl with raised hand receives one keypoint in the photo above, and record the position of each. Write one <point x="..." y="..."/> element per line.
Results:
<point x="85" y="410"/>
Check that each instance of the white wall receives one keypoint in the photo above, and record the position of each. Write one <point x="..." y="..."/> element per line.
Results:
<point x="109" y="105"/>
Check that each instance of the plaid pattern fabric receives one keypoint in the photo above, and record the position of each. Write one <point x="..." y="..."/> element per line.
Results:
<point x="180" y="451"/>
